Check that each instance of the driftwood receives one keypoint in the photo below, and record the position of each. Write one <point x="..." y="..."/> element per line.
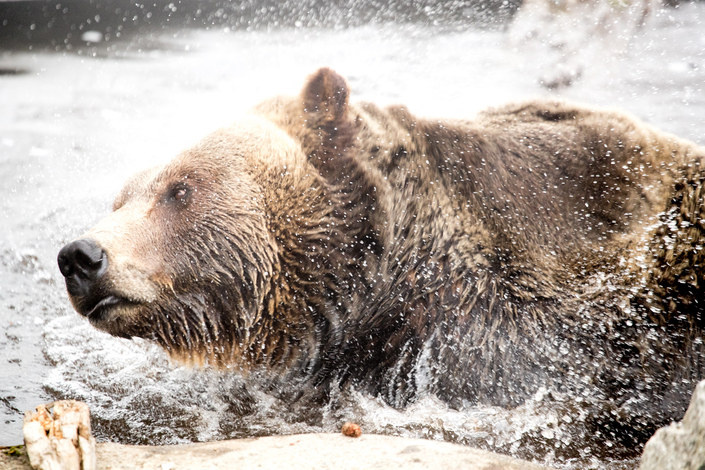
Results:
<point x="60" y="440"/>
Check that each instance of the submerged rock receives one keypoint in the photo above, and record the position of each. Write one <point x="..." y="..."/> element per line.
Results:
<point x="680" y="446"/>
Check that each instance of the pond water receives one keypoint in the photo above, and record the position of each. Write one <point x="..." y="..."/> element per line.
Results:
<point x="74" y="124"/>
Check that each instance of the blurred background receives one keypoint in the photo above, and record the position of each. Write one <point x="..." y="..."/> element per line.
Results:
<point x="92" y="91"/>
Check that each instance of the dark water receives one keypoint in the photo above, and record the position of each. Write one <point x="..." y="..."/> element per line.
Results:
<point x="74" y="124"/>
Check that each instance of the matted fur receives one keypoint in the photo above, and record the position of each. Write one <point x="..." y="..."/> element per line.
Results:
<point x="542" y="244"/>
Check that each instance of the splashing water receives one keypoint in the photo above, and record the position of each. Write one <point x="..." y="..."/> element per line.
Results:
<point x="138" y="396"/>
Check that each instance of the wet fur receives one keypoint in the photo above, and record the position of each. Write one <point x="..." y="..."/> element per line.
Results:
<point x="475" y="260"/>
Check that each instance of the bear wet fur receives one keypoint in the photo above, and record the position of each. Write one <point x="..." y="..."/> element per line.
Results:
<point x="542" y="244"/>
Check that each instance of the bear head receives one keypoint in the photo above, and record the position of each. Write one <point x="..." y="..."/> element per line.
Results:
<point x="210" y="254"/>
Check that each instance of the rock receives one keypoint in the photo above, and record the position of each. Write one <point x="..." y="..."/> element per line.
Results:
<point x="62" y="441"/>
<point x="309" y="451"/>
<point x="680" y="446"/>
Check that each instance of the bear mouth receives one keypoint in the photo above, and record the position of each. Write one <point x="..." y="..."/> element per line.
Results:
<point x="104" y="305"/>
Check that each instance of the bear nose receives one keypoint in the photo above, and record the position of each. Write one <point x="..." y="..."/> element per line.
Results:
<point x="83" y="262"/>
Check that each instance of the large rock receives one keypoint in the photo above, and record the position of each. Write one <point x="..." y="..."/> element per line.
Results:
<point x="309" y="451"/>
<point x="680" y="446"/>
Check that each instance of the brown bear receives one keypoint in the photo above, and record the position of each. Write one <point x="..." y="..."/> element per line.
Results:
<point x="542" y="244"/>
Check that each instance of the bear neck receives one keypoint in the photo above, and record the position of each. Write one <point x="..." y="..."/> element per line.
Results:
<point x="323" y="236"/>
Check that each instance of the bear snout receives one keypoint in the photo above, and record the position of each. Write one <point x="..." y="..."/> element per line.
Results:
<point x="82" y="263"/>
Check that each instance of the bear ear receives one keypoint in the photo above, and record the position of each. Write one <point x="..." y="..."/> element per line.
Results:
<point x="325" y="96"/>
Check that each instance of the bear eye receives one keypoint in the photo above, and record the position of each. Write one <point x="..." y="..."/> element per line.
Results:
<point x="179" y="193"/>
